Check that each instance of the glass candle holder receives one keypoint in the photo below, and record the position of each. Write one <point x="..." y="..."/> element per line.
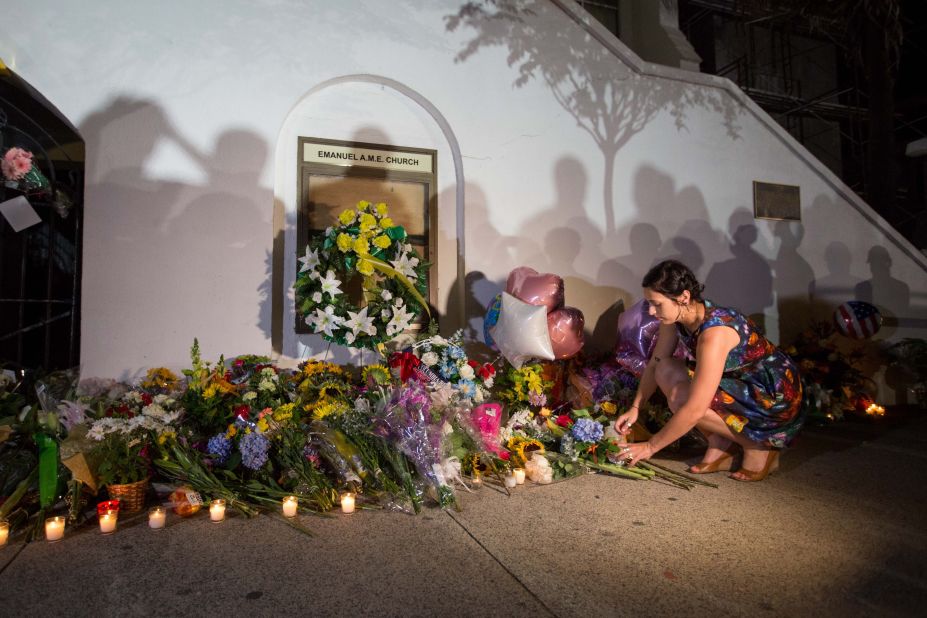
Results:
<point x="519" y="474"/>
<point x="477" y="481"/>
<point x="4" y="532"/>
<point x="217" y="511"/>
<point x="108" y="521"/>
<point x="347" y="502"/>
<point x="290" y="504"/>
<point x="54" y="529"/>
<point x="509" y="480"/>
<point x="157" y="517"/>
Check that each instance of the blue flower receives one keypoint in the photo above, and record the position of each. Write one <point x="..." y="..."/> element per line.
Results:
<point x="254" y="447"/>
<point x="447" y="370"/>
<point x="456" y="352"/>
<point x="587" y="430"/>
<point x="467" y="389"/>
<point x="220" y="447"/>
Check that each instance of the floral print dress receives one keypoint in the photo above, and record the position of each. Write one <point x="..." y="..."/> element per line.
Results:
<point x="760" y="390"/>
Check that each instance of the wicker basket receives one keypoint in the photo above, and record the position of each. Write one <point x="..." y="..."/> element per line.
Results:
<point x="131" y="495"/>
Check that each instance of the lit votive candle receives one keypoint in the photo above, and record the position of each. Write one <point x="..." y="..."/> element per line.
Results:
<point x="347" y="503"/>
<point x="108" y="521"/>
<point x="157" y="517"/>
<point x="510" y="481"/>
<point x="217" y="510"/>
<point x="54" y="529"/>
<point x="519" y="476"/>
<point x="290" y="503"/>
<point x="476" y="482"/>
<point x="4" y="532"/>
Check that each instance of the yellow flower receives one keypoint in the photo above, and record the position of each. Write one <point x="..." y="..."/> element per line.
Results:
<point x="344" y="242"/>
<point x="262" y="425"/>
<point x="347" y="217"/>
<point x="167" y="435"/>
<point x="386" y="223"/>
<point x="608" y="407"/>
<point x="365" y="267"/>
<point x="377" y="374"/>
<point x="382" y="241"/>
<point x="361" y="246"/>
<point x="381" y="209"/>
<point x="284" y="412"/>
<point x="363" y="205"/>
<point x="545" y="412"/>
<point x="525" y="448"/>
<point x="367" y="222"/>
<point x="232" y="430"/>
<point x="210" y="391"/>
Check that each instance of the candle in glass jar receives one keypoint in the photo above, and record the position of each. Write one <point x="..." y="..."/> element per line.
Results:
<point x="519" y="476"/>
<point x="54" y="529"/>
<point x="476" y="482"/>
<point x="4" y="532"/>
<point x="347" y="503"/>
<point x="157" y="517"/>
<point x="510" y="481"/>
<point x="108" y="521"/>
<point x="217" y="510"/>
<point x="289" y="506"/>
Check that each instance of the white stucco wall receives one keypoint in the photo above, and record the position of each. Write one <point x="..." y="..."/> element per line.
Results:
<point x="191" y="111"/>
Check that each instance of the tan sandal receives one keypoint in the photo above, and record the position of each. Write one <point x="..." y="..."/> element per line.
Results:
<point x="724" y="463"/>
<point x="752" y="476"/>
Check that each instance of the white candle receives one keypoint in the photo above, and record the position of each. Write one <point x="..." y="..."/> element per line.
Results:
<point x="520" y="476"/>
<point x="347" y="503"/>
<point x="54" y="529"/>
<point x="157" y="517"/>
<point x="510" y="481"/>
<point x="290" y="504"/>
<point x="4" y="532"/>
<point x="476" y="482"/>
<point x="108" y="521"/>
<point x="217" y="510"/>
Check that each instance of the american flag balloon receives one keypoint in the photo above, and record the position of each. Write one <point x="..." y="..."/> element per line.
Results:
<point x="857" y="319"/>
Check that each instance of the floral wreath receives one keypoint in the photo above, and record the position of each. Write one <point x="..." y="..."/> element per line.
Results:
<point x="365" y="243"/>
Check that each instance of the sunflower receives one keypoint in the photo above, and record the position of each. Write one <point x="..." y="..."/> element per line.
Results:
<point x="476" y="464"/>
<point x="527" y="448"/>
<point x="376" y="374"/>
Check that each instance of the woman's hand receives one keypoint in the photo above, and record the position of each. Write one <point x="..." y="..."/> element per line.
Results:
<point x="623" y="423"/>
<point x="636" y="451"/>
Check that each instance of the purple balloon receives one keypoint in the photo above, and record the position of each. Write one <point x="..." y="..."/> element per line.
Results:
<point x="565" y="326"/>
<point x="532" y="287"/>
<point x="637" y="336"/>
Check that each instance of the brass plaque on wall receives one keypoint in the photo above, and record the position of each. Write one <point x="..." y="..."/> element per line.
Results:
<point x="774" y="201"/>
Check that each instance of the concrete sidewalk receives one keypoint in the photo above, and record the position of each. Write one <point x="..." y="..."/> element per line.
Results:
<point x="841" y="530"/>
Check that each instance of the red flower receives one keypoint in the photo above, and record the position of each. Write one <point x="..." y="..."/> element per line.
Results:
<point x="564" y="420"/>
<point x="473" y="363"/>
<point x="487" y="371"/>
<point x="505" y="455"/>
<point x="146" y="399"/>
<point x="243" y="412"/>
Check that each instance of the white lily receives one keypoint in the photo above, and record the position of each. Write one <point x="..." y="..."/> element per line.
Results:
<point x="406" y="265"/>
<point x="400" y="321"/>
<point x="309" y="261"/>
<point x="326" y="321"/>
<point x="330" y="284"/>
<point x="358" y="321"/>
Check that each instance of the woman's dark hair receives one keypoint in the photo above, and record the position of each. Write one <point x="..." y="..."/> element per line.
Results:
<point x="672" y="278"/>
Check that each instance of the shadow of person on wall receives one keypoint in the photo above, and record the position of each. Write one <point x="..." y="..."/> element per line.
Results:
<point x="743" y="282"/>
<point x="794" y="276"/>
<point x="838" y="285"/>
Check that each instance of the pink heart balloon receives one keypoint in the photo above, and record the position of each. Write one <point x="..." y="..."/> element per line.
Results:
<point x="565" y="326"/>
<point x="532" y="287"/>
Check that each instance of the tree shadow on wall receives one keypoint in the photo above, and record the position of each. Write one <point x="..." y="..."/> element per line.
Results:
<point x="609" y="101"/>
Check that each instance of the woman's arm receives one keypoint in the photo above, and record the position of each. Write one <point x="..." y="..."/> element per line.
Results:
<point x="713" y="347"/>
<point x="666" y="344"/>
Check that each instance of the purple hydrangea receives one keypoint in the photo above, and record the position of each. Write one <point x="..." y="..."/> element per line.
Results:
<point x="254" y="447"/>
<point x="220" y="447"/>
<point x="587" y="430"/>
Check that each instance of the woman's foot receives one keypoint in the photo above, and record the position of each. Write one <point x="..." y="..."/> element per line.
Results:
<point x="720" y="456"/>
<point x="757" y="465"/>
